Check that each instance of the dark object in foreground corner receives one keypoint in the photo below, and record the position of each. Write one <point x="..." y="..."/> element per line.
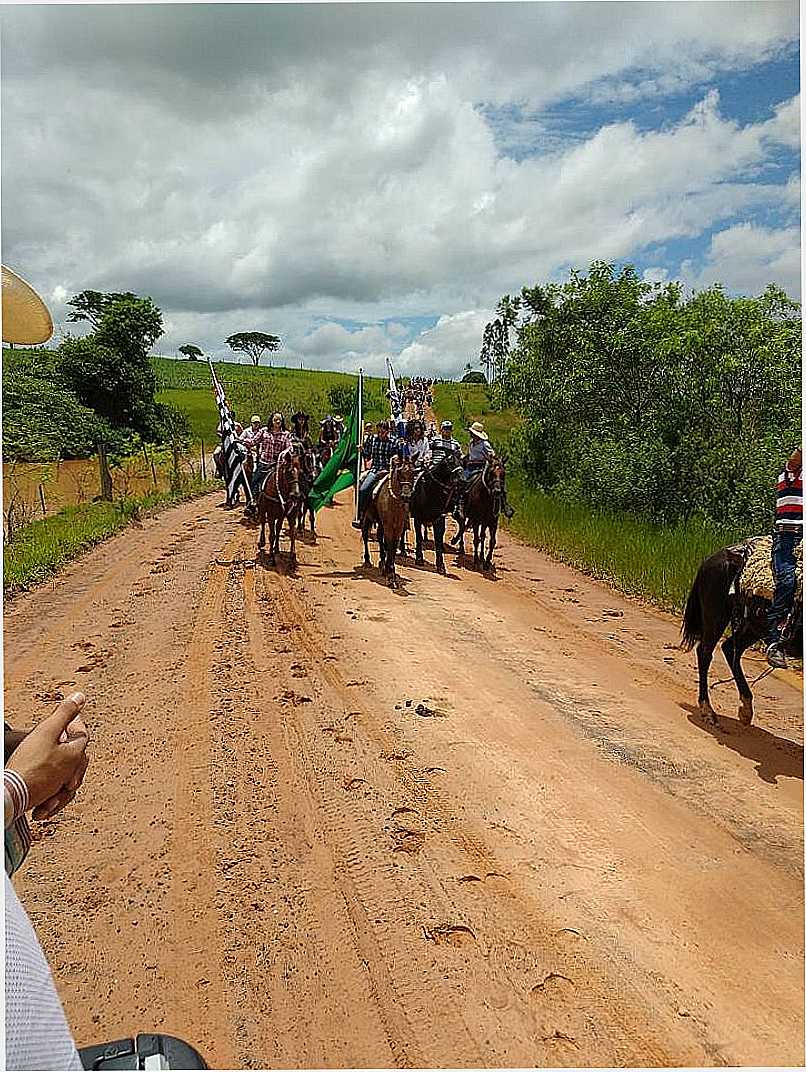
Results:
<point x="144" y="1052"/>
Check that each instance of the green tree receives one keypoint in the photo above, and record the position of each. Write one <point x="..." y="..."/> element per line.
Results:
<point x="637" y="400"/>
<point x="109" y="369"/>
<point x="90" y="305"/>
<point x="254" y="343"/>
<point x="191" y="352"/>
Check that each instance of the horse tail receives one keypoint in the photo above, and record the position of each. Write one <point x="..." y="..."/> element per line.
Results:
<point x="708" y="604"/>
<point x="692" y="627"/>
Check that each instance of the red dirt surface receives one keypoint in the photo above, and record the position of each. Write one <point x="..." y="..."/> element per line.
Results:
<point x="277" y="858"/>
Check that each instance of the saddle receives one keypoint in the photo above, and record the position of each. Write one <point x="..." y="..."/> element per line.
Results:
<point x="377" y="487"/>
<point x="756" y="577"/>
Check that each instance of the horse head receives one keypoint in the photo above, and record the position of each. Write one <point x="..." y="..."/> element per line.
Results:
<point x="493" y="480"/>
<point x="290" y="466"/>
<point x="402" y="475"/>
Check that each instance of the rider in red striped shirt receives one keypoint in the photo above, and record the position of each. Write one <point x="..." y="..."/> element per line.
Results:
<point x="788" y="534"/>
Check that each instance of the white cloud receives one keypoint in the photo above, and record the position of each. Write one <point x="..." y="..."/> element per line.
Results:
<point x="322" y="164"/>
<point x="746" y="257"/>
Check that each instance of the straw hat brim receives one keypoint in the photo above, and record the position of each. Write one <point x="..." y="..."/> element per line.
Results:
<point x="26" y="320"/>
<point x="479" y="434"/>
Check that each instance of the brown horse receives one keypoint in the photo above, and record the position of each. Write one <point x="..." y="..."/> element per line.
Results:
<point x="280" y="498"/>
<point x="390" y="509"/>
<point x="483" y="501"/>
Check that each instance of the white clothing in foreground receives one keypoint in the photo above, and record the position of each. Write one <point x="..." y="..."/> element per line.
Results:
<point x="37" y="1035"/>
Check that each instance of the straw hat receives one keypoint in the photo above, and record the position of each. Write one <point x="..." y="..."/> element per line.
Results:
<point x="477" y="429"/>
<point x="26" y="319"/>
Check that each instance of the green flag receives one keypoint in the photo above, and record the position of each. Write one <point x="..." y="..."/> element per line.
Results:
<point x="339" y="473"/>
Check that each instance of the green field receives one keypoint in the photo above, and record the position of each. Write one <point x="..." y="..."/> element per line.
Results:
<point x="187" y="385"/>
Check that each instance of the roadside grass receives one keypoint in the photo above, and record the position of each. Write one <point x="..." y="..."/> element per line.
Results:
<point x="655" y="564"/>
<point x="44" y="546"/>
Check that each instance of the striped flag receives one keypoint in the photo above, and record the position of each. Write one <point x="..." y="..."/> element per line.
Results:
<point x="395" y="401"/>
<point x="233" y="452"/>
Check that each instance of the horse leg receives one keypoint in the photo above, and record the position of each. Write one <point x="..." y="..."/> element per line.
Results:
<point x="272" y="559"/>
<point x="493" y="528"/>
<point x="418" y="543"/>
<point x="733" y="647"/>
<point x="381" y="547"/>
<point x="262" y="541"/>
<point x="292" y="533"/>
<point x="458" y="540"/>
<point x="705" y="653"/>
<point x="365" y="534"/>
<point x="439" y="543"/>
<point x="391" y="551"/>
<point x="478" y="544"/>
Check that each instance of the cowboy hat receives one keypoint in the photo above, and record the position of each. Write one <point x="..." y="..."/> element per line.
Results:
<point x="255" y="417"/>
<point x="26" y="319"/>
<point x="477" y="429"/>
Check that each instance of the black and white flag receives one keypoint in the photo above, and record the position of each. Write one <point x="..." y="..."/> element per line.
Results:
<point x="233" y="452"/>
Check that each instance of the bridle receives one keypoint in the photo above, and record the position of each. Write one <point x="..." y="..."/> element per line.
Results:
<point x="401" y="494"/>
<point x="288" y="454"/>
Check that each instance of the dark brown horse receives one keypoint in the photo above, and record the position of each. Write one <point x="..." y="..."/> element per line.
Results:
<point x="281" y="499"/>
<point x="711" y="607"/>
<point x="390" y="509"/>
<point x="431" y="498"/>
<point x="483" y="501"/>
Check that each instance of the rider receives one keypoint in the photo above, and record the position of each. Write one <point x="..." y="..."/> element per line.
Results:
<point x="366" y="446"/>
<point x="445" y="445"/>
<point x="383" y="450"/>
<point x="270" y="444"/>
<point x="479" y="452"/>
<point x="328" y="434"/>
<point x="418" y="444"/>
<point x="787" y="535"/>
<point x="338" y="420"/>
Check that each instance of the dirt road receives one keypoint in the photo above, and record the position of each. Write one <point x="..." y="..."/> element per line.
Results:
<point x="276" y="857"/>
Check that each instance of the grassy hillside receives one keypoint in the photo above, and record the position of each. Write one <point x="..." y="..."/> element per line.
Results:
<point x="186" y="385"/>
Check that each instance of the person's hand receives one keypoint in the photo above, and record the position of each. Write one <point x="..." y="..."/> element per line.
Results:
<point x="52" y="759"/>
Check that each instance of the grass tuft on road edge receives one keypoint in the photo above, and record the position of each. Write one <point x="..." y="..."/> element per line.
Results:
<point x="639" y="559"/>
<point x="43" y="547"/>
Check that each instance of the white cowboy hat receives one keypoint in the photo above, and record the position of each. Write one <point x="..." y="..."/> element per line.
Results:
<point x="255" y="417"/>
<point x="26" y="319"/>
<point x="477" y="429"/>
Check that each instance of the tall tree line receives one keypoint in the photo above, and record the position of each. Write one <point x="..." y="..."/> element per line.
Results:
<point x="640" y="400"/>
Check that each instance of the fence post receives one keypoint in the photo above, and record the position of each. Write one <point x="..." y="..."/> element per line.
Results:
<point x="42" y="500"/>
<point x="150" y="462"/>
<point x="203" y="462"/>
<point x="106" y="475"/>
<point x="176" y="481"/>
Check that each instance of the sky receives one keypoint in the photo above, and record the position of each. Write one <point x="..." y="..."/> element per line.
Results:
<point x="367" y="180"/>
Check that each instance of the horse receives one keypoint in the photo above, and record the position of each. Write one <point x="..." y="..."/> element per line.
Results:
<point x="280" y="498"/>
<point x="309" y="472"/>
<point x="431" y="498"/>
<point x="390" y="509"/>
<point x="712" y="605"/>
<point x="483" y="501"/>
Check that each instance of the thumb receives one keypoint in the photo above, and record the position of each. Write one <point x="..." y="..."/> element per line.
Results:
<point x="64" y="714"/>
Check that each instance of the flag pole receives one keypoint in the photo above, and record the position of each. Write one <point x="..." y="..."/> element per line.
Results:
<point x="359" y="437"/>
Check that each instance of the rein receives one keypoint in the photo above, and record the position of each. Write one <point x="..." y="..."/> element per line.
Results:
<point x="279" y="498"/>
